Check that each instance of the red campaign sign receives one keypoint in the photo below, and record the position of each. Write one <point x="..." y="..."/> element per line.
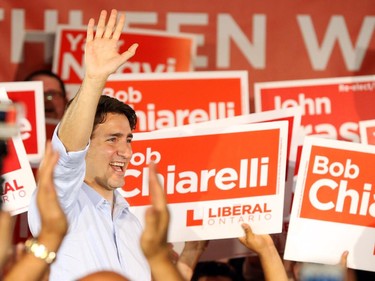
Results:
<point x="209" y="167"/>
<point x="174" y="99"/>
<point x="291" y="115"/>
<point x="32" y="128"/>
<point x="214" y="178"/>
<point x="338" y="187"/>
<point x="334" y="205"/>
<point x="331" y="107"/>
<point x="170" y="52"/>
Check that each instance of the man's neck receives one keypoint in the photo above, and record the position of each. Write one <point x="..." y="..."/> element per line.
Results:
<point x="107" y="194"/>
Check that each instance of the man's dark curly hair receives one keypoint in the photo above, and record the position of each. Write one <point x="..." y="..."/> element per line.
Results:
<point x="112" y="105"/>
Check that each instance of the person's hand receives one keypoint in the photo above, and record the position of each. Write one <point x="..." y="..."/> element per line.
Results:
<point x="6" y="230"/>
<point x="54" y="222"/>
<point x="344" y="259"/>
<point x="28" y="266"/>
<point x="192" y="251"/>
<point x="190" y="256"/>
<point x="101" y="51"/>
<point x="256" y="243"/>
<point x="349" y="274"/>
<point x="154" y="236"/>
<point x="263" y="245"/>
<point x="15" y="254"/>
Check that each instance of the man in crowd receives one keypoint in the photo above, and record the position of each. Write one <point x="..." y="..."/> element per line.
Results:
<point x="94" y="143"/>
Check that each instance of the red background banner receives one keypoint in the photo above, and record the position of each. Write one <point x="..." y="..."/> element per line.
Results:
<point x="273" y="40"/>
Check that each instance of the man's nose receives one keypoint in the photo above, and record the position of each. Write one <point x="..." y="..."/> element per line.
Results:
<point x="125" y="150"/>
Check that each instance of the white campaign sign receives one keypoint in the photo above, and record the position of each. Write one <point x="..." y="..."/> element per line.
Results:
<point x="209" y="198"/>
<point x="334" y="206"/>
<point x="19" y="180"/>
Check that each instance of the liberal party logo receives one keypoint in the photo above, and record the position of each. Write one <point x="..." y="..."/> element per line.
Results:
<point x="233" y="214"/>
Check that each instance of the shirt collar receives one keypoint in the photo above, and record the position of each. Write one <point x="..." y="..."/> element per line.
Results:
<point x="97" y="200"/>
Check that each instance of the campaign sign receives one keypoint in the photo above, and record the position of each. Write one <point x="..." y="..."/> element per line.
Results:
<point x="367" y="131"/>
<point x="232" y="248"/>
<point x="32" y="128"/>
<point x="163" y="100"/>
<point x="19" y="181"/>
<point x="292" y="115"/>
<point x="214" y="179"/>
<point x="331" y="107"/>
<point x="334" y="205"/>
<point x="158" y="51"/>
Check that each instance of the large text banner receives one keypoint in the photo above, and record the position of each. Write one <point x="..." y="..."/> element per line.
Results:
<point x="158" y="52"/>
<point x="163" y="100"/>
<point x="32" y="124"/>
<point x="334" y="209"/>
<point x="214" y="179"/>
<point x="331" y="107"/>
<point x="273" y="41"/>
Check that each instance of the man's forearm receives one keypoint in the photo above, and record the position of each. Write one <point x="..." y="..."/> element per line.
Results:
<point x="79" y="116"/>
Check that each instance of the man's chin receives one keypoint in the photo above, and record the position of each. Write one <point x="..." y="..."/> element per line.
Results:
<point x="117" y="184"/>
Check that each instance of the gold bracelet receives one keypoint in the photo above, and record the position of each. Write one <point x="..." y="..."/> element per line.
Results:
<point x="39" y="250"/>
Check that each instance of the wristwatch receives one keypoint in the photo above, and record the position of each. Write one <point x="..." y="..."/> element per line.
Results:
<point x="39" y="250"/>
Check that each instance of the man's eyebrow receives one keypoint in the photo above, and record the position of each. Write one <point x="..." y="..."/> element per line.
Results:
<point x="115" y="135"/>
<point x="130" y="135"/>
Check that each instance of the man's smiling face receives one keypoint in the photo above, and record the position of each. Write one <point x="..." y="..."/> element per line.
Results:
<point x="109" y="154"/>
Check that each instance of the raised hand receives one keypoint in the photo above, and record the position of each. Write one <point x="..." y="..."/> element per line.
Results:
<point x="190" y="256"/>
<point x="263" y="245"/>
<point x="31" y="265"/>
<point x="101" y="52"/>
<point x="154" y="237"/>
<point x="54" y="222"/>
<point x="254" y="242"/>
